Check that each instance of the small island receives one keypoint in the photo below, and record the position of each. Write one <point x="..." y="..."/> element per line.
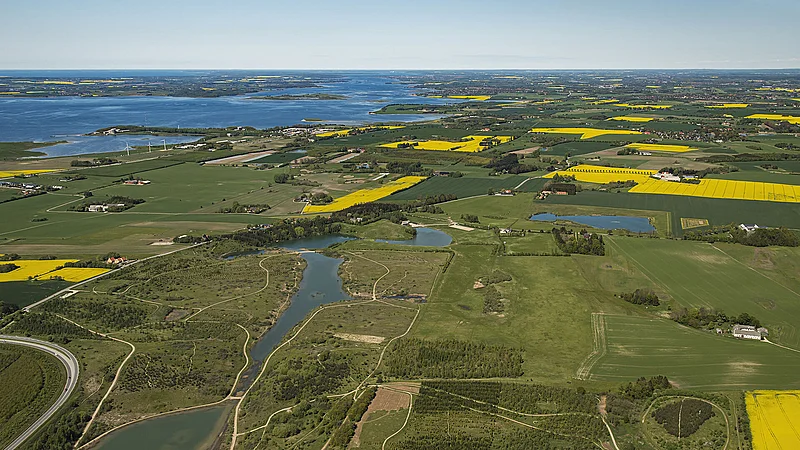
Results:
<point x="301" y="97"/>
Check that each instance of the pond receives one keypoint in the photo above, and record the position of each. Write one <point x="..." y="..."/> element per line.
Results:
<point x="190" y="430"/>
<point x="424" y="237"/>
<point x="630" y="223"/>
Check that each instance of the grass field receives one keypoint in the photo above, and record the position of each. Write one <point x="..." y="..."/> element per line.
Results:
<point x="30" y="381"/>
<point x="23" y="293"/>
<point x="120" y="170"/>
<point x="774" y="419"/>
<point x="725" y="277"/>
<point x="279" y="158"/>
<point x="576" y="148"/>
<point x="461" y="187"/>
<point x="693" y="359"/>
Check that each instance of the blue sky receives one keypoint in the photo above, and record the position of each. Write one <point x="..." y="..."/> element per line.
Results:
<point x="410" y="34"/>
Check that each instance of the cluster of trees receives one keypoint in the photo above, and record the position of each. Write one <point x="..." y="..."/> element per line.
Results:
<point x="750" y="157"/>
<point x="320" y="198"/>
<point x="471" y="218"/>
<point x="111" y="315"/>
<point x="787" y="146"/>
<point x="644" y="388"/>
<point x="582" y="243"/>
<point x="236" y="208"/>
<point x="8" y="308"/>
<point x="510" y="163"/>
<point x="8" y="267"/>
<point x="302" y="377"/>
<point x="620" y="184"/>
<point x="558" y="178"/>
<point x="116" y="203"/>
<point x="492" y="300"/>
<point x="9" y="257"/>
<point x="706" y="318"/>
<point x="760" y="237"/>
<point x="93" y="163"/>
<point x="431" y="200"/>
<point x="97" y="263"/>
<point x="641" y="297"/>
<point x="450" y="358"/>
<point x="342" y="436"/>
<point x="43" y="324"/>
<point x="683" y="418"/>
<point x="286" y="230"/>
<point x="524" y="398"/>
<point x="64" y="431"/>
<point x="283" y="178"/>
<point x="403" y="167"/>
<point x="569" y="188"/>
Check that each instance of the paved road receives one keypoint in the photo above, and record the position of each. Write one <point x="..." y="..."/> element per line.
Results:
<point x="73" y="369"/>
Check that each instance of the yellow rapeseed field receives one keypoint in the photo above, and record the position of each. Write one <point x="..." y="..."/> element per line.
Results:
<point x="632" y="119"/>
<point x="346" y="131"/>
<point x="32" y="268"/>
<point x="731" y="189"/>
<point x="586" y="133"/>
<point x="791" y="119"/>
<point x="601" y="174"/>
<point x="661" y="148"/>
<point x="364" y="195"/>
<point x="628" y="105"/>
<point x="480" y="98"/>
<point x="729" y="105"/>
<point x="13" y="173"/>
<point x="774" y="419"/>
<point x="468" y="144"/>
<point x="74" y="274"/>
<point x="604" y="102"/>
<point x="653" y="87"/>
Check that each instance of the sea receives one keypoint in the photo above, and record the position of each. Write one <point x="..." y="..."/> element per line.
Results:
<point x="70" y="118"/>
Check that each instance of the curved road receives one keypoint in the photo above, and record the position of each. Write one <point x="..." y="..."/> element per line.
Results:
<point x="73" y="369"/>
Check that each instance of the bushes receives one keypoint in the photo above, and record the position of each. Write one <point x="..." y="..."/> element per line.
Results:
<point x="415" y="358"/>
<point x="582" y="243"/>
<point x="492" y="300"/>
<point x="5" y="268"/>
<point x="42" y="324"/>
<point x="641" y="297"/>
<point x="683" y="418"/>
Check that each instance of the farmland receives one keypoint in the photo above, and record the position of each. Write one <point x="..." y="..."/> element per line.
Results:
<point x="364" y="195"/>
<point x="503" y="338"/>
<point x="774" y="418"/>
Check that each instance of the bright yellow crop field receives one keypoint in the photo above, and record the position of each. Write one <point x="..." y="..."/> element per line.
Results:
<point x="586" y="133"/>
<point x="480" y="98"/>
<point x="733" y="189"/>
<point x="628" y="105"/>
<point x="791" y="119"/>
<point x="346" y="131"/>
<point x="32" y="268"/>
<point x="13" y="173"/>
<point x="74" y="274"/>
<point x="729" y="105"/>
<point x="774" y="419"/>
<point x="601" y="174"/>
<point x="661" y="148"/>
<point x="632" y="119"/>
<point x="364" y="196"/>
<point x="468" y="144"/>
<point x="604" y="102"/>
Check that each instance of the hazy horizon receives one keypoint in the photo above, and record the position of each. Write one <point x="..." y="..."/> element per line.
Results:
<point x="415" y="35"/>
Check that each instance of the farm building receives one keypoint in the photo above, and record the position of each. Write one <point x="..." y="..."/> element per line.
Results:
<point x="748" y="227"/>
<point x="747" y="332"/>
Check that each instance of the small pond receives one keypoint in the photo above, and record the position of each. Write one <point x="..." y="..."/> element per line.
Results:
<point x="630" y="223"/>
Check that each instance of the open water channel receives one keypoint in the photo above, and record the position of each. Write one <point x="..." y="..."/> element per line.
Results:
<point x="320" y="285"/>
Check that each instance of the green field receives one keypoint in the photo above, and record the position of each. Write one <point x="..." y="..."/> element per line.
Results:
<point x="691" y="358"/>
<point x="726" y="277"/>
<point x="30" y="381"/>
<point x="576" y="148"/>
<point x="120" y="170"/>
<point x="461" y="187"/>
<point x="279" y="158"/>
<point x="23" y="293"/>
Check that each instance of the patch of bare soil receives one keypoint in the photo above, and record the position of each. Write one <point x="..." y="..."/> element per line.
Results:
<point x="762" y="258"/>
<point x="365" y="338"/>
<point x="601" y="405"/>
<point x="526" y="151"/>
<point x="478" y="285"/>
<point x="385" y="400"/>
<point x="176" y="314"/>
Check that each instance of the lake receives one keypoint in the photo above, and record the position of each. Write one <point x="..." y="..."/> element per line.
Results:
<point x="424" y="237"/>
<point x="66" y="118"/>
<point x="634" y="224"/>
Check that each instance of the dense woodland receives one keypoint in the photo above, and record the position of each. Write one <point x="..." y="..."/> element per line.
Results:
<point x="449" y="358"/>
<point x="683" y="418"/>
<point x="582" y="243"/>
<point x="641" y="297"/>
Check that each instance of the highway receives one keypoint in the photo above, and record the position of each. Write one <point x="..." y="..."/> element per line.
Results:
<point x="73" y="369"/>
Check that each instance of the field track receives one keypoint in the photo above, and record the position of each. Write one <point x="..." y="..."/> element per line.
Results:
<point x="599" y="348"/>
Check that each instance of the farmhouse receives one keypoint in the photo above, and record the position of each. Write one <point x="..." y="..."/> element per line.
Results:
<point x="748" y="227"/>
<point x="747" y="332"/>
<point x="98" y="208"/>
<point x="666" y="176"/>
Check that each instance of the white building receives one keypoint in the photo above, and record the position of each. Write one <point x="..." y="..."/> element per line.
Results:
<point x="666" y="176"/>
<point x="748" y="227"/>
<point x="746" y="332"/>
